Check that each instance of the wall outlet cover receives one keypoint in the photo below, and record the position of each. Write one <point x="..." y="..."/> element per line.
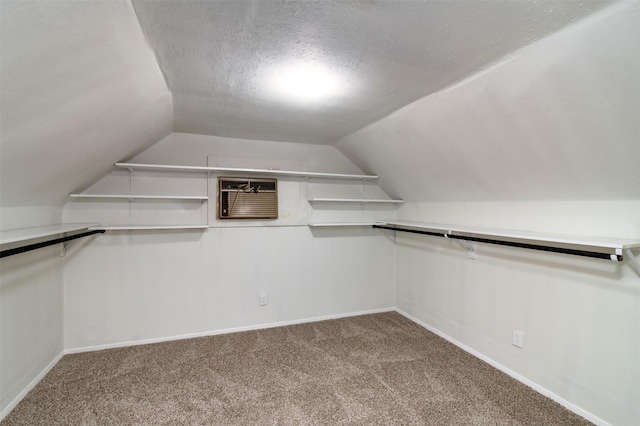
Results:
<point x="263" y="298"/>
<point x="518" y="338"/>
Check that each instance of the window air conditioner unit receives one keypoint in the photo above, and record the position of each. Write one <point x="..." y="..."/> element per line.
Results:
<point x="247" y="198"/>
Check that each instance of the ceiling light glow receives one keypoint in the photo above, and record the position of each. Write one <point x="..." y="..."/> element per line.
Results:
<point x="304" y="82"/>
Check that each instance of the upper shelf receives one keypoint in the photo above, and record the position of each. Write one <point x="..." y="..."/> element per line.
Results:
<point x="24" y="234"/>
<point x="165" y="167"/>
<point x="141" y="197"/>
<point x="353" y="200"/>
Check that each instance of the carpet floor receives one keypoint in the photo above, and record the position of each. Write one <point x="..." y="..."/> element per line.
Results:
<point x="379" y="369"/>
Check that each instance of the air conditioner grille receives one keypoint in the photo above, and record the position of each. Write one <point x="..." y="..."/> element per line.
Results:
<point x="247" y="198"/>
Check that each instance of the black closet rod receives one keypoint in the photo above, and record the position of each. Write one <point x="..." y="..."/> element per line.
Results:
<point x="23" y="249"/>
<point x="562" y="250"/>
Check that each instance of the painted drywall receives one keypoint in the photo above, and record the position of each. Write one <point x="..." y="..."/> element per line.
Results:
<point x="81" y="89"/>
<point x="556" y="121"/>
<point x="546" y="141"/>
<point x="63" y="128"/>
<point x="31" y="306"/>
<point x="133" y="287"/>
<point x="31" y="320"/>
<point x="605" y="219"/>
<point x="220" y="57"/>
<point x="579" y="317"/>
<point x="27" y="217"/>
<point x="192" y="149"/>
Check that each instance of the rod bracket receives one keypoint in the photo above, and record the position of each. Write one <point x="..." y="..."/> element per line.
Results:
<point x="633" y="260"/>
<point x="471" y="248"/>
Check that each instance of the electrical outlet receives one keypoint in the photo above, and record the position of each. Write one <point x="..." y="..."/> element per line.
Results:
<point x="263" y="299"/>
<point x="518" y="338"/>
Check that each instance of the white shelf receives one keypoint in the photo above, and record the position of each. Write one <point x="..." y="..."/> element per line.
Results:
<point x="141" y="197"/>
<point x="354" y="200"/>
<point x="165" y="167"/>
<point x="606" y="245"/>
<point x="145" y="227"/>
<point x="340" y="224"/>
<point x="24" y="234"/>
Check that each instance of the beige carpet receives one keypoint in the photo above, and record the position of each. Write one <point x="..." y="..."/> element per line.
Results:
<point x="373" y="369"/>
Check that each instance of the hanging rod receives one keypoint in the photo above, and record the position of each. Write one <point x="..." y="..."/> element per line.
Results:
<point x="449" y="234"/>
<point x="30" y="247"/>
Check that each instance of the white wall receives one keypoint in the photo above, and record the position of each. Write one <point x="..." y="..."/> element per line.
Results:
<point x="580" y="316"/>
<point x="612" y="219"/>
<point x="31" y="319"/>
<point x="31" y="309"/>
<point x="555" y="121"/>
<point x="545" y="141"/>
<point x="132" y="287"/>
<point x="81" y="89"/>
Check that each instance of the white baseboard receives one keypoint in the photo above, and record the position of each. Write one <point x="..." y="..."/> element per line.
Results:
<point x="540" y="389"/>
<point x="223" y="331"/>
<point x="30" y="386"/>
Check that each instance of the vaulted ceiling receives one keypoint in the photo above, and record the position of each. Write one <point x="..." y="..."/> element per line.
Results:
<point x="218" y="56"/>
<point x="86" y="84"/>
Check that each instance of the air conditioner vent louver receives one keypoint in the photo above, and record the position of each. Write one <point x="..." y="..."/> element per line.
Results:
<point x="247" y="198"/>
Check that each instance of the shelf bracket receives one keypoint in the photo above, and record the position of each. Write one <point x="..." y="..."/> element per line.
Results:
<point x="471" y="248"/>
<point x="633" y="260"/>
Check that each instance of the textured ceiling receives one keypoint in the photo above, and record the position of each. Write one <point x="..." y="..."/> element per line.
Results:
<point x="216" y="54"/>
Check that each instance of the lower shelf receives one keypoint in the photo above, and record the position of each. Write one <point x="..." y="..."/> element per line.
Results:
<point x="596" y="247"/>
<point x="24" y="234"/>
<point x="337" y="224"/>
<point x="145" y="227"/>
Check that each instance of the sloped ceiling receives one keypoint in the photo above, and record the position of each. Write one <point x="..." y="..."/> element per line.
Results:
<point x="559" y="120"/>
<point x="216" y="54"/>
<point x="80" y="90"/>
<point x="85" y="84"/>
